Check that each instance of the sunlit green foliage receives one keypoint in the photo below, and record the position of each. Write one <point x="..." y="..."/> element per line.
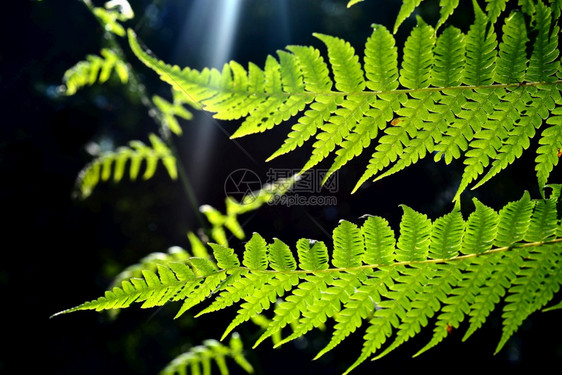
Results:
<point x="94" y="69"/>
<point x="454" y="96"/>
<point x="114" y="164"/>
<point x="480" y="96"/>
<point x="172" y="110"/>
<point x="449" y="268"/>
<point x="199" y="359"/>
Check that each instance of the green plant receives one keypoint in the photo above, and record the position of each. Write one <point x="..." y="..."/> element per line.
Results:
<point x="485" y="110"/>
<point x="453" y="95"/>
<point x="199" y="358"/>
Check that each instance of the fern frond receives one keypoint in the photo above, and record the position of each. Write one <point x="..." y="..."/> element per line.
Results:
<point x="446" y="270"/>
<point x="114" y="163"/>
<point x="391" y="310"/>
<point x="316" y="79"/>
<point x="530" y="290"/>
<point x="455" y="96"/>
<point x="312" y="258"/>
<point x="95" y="69"/>
<point x="199" y="359"/>
<point x="513" y="221"/>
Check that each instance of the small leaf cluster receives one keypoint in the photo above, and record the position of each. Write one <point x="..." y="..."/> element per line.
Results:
<point x="95" y="69"/>
<point x="198" y="360"/>
<point x="115" y="163"/>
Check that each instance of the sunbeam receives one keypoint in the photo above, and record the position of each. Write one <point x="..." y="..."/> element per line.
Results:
<point x="208" y="34"/>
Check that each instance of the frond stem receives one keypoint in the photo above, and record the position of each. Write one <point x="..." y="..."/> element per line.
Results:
<point x="395" y="264"/>
<point x="375" y="93"/>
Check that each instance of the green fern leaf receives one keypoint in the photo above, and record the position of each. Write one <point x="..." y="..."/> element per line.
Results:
<point x="382" y="73"/>
<point x="353" y="2"/>
<point x="171" y="110"/>
<point x="290" y="310"/>
<point x="341" y="287"/>
<point x="480" y="63"/>
<point x="280" y="256"/>
<point x="556" y="6"/>
<point x="419" y="279"/>
<point x="454" y="96"/>
<point x="550" y="146"/>
<point x="316" y="80"/>
<point x="413" y="243"/>
<point x="447" y="8"/>
<point x="379" y="241"/>
<point x="414" y="74"/>
<point x="527" y="6"/>
<point x="494" y="8"/>
<point x="225" y="257"/>
<point x="511" y="67"/>
<point x="405" y="11"/>
<point x="525" y="294"/>
<point x="239" y="286"/>
<point x="94" y="69"/>
<point x="447" y="72"/>
<point x="360" y="306"/>
<point x="458" y="300"/>
<point x="151" y="262"/>
<point x="481" y="229"/>
<point x="348" y="245"/>
<point x="262" y="299"/>
<point x="481" y="42"/>
<point x="514" y="221"/>
<point x="255" y="256"/>
<point x="440" y="283"/>
<point x="199" y="358"/>
<point x="135" y="154"/>
<point x="348" y="77"/>
<point x="446" y="236"/>
<point x="512" y="62"/>
<point x="312" y="258"/>
<point x="391" y="310"/>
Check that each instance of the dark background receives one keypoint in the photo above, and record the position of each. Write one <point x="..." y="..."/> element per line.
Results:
<point x="59" y="252"/>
